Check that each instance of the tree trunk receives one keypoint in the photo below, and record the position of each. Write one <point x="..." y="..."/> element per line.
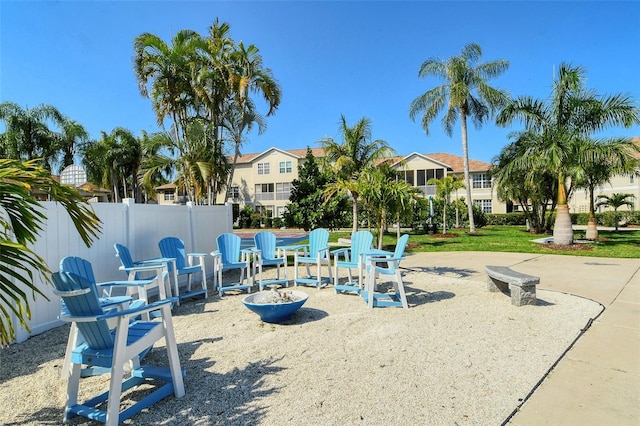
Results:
<point x="592" y="226"/>
<point x="354" y="228"/>
<point x="562" y="230"/>
<point x="465" y="157"/>
<point x="444" y="217"/>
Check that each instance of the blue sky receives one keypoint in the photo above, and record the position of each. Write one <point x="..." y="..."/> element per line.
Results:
<point x="358" y="58"/>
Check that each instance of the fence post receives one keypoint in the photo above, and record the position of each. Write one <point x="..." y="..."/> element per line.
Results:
<point x="130" y="203"/>
<point x="192" y="236"/>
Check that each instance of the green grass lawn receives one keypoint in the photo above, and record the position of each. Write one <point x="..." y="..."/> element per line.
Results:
<point x="622" y="244"/>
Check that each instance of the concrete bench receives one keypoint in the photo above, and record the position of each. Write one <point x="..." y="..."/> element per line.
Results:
<point x="522" y="287"/>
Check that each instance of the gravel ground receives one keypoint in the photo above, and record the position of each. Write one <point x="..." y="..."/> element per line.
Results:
<point x="458" y="355"/>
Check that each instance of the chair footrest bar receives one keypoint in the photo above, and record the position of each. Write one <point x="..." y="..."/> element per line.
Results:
<point x="348" y="287"/>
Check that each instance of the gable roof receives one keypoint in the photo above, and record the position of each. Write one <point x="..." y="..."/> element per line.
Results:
<point x="298" y="153"/>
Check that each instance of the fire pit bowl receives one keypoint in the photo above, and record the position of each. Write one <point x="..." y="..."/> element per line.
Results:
<point x="275" y="306"/>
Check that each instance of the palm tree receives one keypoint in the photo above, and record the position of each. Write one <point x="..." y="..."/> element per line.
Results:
<point x="168" y="69"/>
<point x="599" y="161"/>
<point x="27" y="135"/>
<point x="152" y="144"/>
<point x="248" y="75"/>
<point x="20" y="223"/>
<point x="616" y="201"/>
<point x="188" y="159"/>
<point x="444" y="188"/>
<point x="73" y="135"/>
<point x="385" y="196"/>
<point x="351" y="157"/>
<point x="466" y="94"/>
<point x="527" y="183"/>
<point x="571" y="116"/>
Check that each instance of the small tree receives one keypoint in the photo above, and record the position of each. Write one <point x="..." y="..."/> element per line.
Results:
<point x="307" y="208"/>
<point x="615" y="201"/>
<point x="444" y="188"/>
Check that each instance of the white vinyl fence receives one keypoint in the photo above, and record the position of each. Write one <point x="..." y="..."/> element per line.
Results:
<point x="138" y="226"/>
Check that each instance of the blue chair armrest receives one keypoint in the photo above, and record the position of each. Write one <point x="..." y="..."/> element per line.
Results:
<point x="139" y="309"/>
<point x="339" y="251"/>
<point x="136" y="283"/>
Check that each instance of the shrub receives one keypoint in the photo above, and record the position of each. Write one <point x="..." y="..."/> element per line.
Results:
<point x="515" y="218"/>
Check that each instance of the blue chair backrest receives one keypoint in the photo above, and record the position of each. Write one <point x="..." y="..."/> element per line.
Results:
<point x="229" y="247"/>
<point x="318" y="239"/>
<point x="399" y="251"/>
<point x="96" y="333"/>
<point x="266" y="242"/>
<point x="174" y="247"/>
<point x="125" y="255"/>
<point x="360" y="243"/>
<point x="78" y="266"/>
<point x="401" y="245"/>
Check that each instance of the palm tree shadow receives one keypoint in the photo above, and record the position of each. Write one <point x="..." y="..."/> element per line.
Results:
<point x="444" y="271"/>
<point x="417" y="296"/>
<point x="211" y="398"/>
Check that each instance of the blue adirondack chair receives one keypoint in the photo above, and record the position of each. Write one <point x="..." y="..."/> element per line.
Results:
<point x="382" y="263"/>
<point x="352" y="258"/>
<point x="173" y="247"/>
<point x="114" y="350"/>
<point x="83" y="269"/>
<point x="267" y="254"/>
<point x="159" y="268"/>
<point x="230" y="256"/>
<point x="316" y="253"/>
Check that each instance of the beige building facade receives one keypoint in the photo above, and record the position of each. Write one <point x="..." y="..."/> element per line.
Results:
<point x="263" y="180"/>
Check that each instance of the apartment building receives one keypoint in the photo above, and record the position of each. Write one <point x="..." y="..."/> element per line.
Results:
<point x="263" y="180"/>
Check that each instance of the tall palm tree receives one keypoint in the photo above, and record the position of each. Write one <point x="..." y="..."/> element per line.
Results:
<point x="249" y="75"/>
<point x="615" y="201"/>
<point x="27" y="134"/>
<point x="350" y="158"/>
<point x="465" y="93"/>
<point x="572" y="115"/>
<point x="21" y="220"/>
<point x="444" y="188"/>
<point x="168" y="69"/>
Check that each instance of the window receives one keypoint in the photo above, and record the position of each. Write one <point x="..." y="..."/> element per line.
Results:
<point x="425" y="175"/>
<point x="233" y="193"/>
<point x="485" y="205"/>
<point x="264" y="191"/>
<point x="263" y="168"/>
<point x="631" y="179"/>
<point x="169" y="196"/>
<point x="407" y="176"/>
<point x="285" y="167"/>
<point x="283" y="191"/>
<point x="481" y="181"/>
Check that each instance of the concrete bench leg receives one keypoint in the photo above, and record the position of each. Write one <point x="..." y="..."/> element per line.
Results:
<point x="496" y="285"/>
<point x="523" y="295"/>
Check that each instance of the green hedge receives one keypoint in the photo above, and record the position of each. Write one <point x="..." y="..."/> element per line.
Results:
<point x="516" y="218"/>
<point x="608" y="218"/>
